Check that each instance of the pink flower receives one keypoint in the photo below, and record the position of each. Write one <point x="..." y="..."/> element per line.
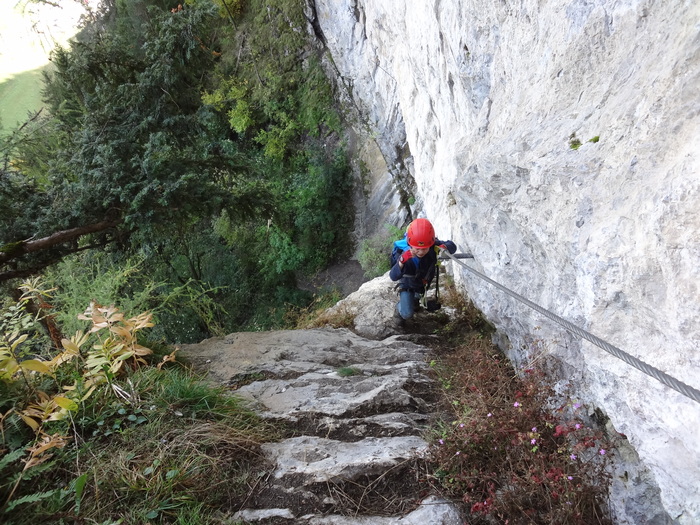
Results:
<point x="533" y="441"/>
<point x="602" y="451"/>
<point x="516" y="404"/>
<point x="573" y="456"/>
<point x="441" y="441"/>
<point x="534" y="429"/>
<point x="489" y="414"/>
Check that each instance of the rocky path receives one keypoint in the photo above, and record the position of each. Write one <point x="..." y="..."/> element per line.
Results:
<point x="357" y="407"/>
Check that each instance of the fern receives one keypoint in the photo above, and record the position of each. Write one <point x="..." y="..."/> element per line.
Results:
<point x="38" y="469"/>
<point x="11" y="457"/>
<point x="30" y="498"/>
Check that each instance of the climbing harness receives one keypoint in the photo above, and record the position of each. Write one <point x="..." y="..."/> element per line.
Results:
<point x="657" y="374"/>
<point x="433" y="305"/>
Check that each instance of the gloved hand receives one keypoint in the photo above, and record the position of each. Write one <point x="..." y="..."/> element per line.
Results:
<point x="442" y="246"/>
<point x="406" y="256"/>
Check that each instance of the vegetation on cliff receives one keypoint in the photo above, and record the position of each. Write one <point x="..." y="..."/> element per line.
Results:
<point x="197" y="143"/>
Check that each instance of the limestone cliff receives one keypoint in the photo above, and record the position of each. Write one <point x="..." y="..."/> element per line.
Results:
<point x="557" y="142"/>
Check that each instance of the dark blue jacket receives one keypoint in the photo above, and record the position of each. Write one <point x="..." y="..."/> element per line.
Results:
<point x="417" y="274"/>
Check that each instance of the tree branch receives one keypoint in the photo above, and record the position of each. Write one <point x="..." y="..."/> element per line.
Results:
<point x="28" y="272"/>
<point x="15" y="250"/>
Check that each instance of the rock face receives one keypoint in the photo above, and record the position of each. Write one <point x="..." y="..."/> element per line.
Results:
<point x="557" y="142"/>
<point x="358" y="407"/>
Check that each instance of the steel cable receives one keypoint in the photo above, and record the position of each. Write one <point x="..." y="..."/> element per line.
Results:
<point x="657" y="374"/>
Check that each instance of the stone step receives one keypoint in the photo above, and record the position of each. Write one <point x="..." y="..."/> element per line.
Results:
<point x="431" y="511"/>
<point x="357" y="409"/>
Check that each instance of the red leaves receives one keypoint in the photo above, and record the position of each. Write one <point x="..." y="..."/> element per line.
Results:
<point x="554" y="473"/>
<point x="562" y="430"/>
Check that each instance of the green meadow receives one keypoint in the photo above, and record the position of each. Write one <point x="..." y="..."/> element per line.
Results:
<point x="20" y="94"/>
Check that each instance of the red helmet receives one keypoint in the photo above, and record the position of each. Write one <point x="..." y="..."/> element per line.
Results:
<point x="420" y="234"/>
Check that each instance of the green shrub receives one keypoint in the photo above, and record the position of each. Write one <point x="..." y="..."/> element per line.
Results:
<point x="374" y="252"/>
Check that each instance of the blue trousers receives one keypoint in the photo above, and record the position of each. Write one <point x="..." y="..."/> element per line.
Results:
<point x="407" y="303"/>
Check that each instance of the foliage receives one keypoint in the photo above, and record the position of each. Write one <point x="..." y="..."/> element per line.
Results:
<point x="161" y="119"/>
<point x="271" y="88"/>
<point x="276" y="95"/>
<point x="37" y="408"/>
<point x="185" y="309"/>
<point x="131" y="141"/>
<point x="574" y="141"/>
<point x="375" y="251"/>
<point x="506" y="454"/>
<point x="315" y="209"/>
<point x="203" y="213"/>
<point x="82" y="421"/>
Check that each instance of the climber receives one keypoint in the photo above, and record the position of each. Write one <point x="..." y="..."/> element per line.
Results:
<point x="415" y="267"/>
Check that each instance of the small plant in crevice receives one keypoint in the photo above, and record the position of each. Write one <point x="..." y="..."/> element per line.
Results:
<point x="505" y="455"/>
<point x="348" y="371"/>
<point x="594" y="139"/>
<point x="574" y="142"/>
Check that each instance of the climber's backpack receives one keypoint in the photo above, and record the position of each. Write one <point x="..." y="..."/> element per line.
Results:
<point x="399" y="247"/>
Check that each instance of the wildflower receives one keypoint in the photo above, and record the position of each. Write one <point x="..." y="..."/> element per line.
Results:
<point x="457" y="453"/>
<point x="573" y="456"/>
<point x="602" y="451"/>
<point x="441" y="441"/>
<point x="577" y="426"/>
<point x="533" y="441"/>
<point x="534" y="429"/>
<point x="567" y="477"/>
<point x="461" y="425"/>
<point x="577" y="406"/>
<point x="489" y="414"/>
<point x="516" y="404"/>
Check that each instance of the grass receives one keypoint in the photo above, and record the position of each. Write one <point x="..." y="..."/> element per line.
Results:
<point x="19" y="96"/>
<point x="348" y="371"/>
<point x="25" y="38"/>
<point x="503" y="448"/>
<point x="176" y="452"/>
<point x="98" y="434"/>
<point x="317" y="314"/>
